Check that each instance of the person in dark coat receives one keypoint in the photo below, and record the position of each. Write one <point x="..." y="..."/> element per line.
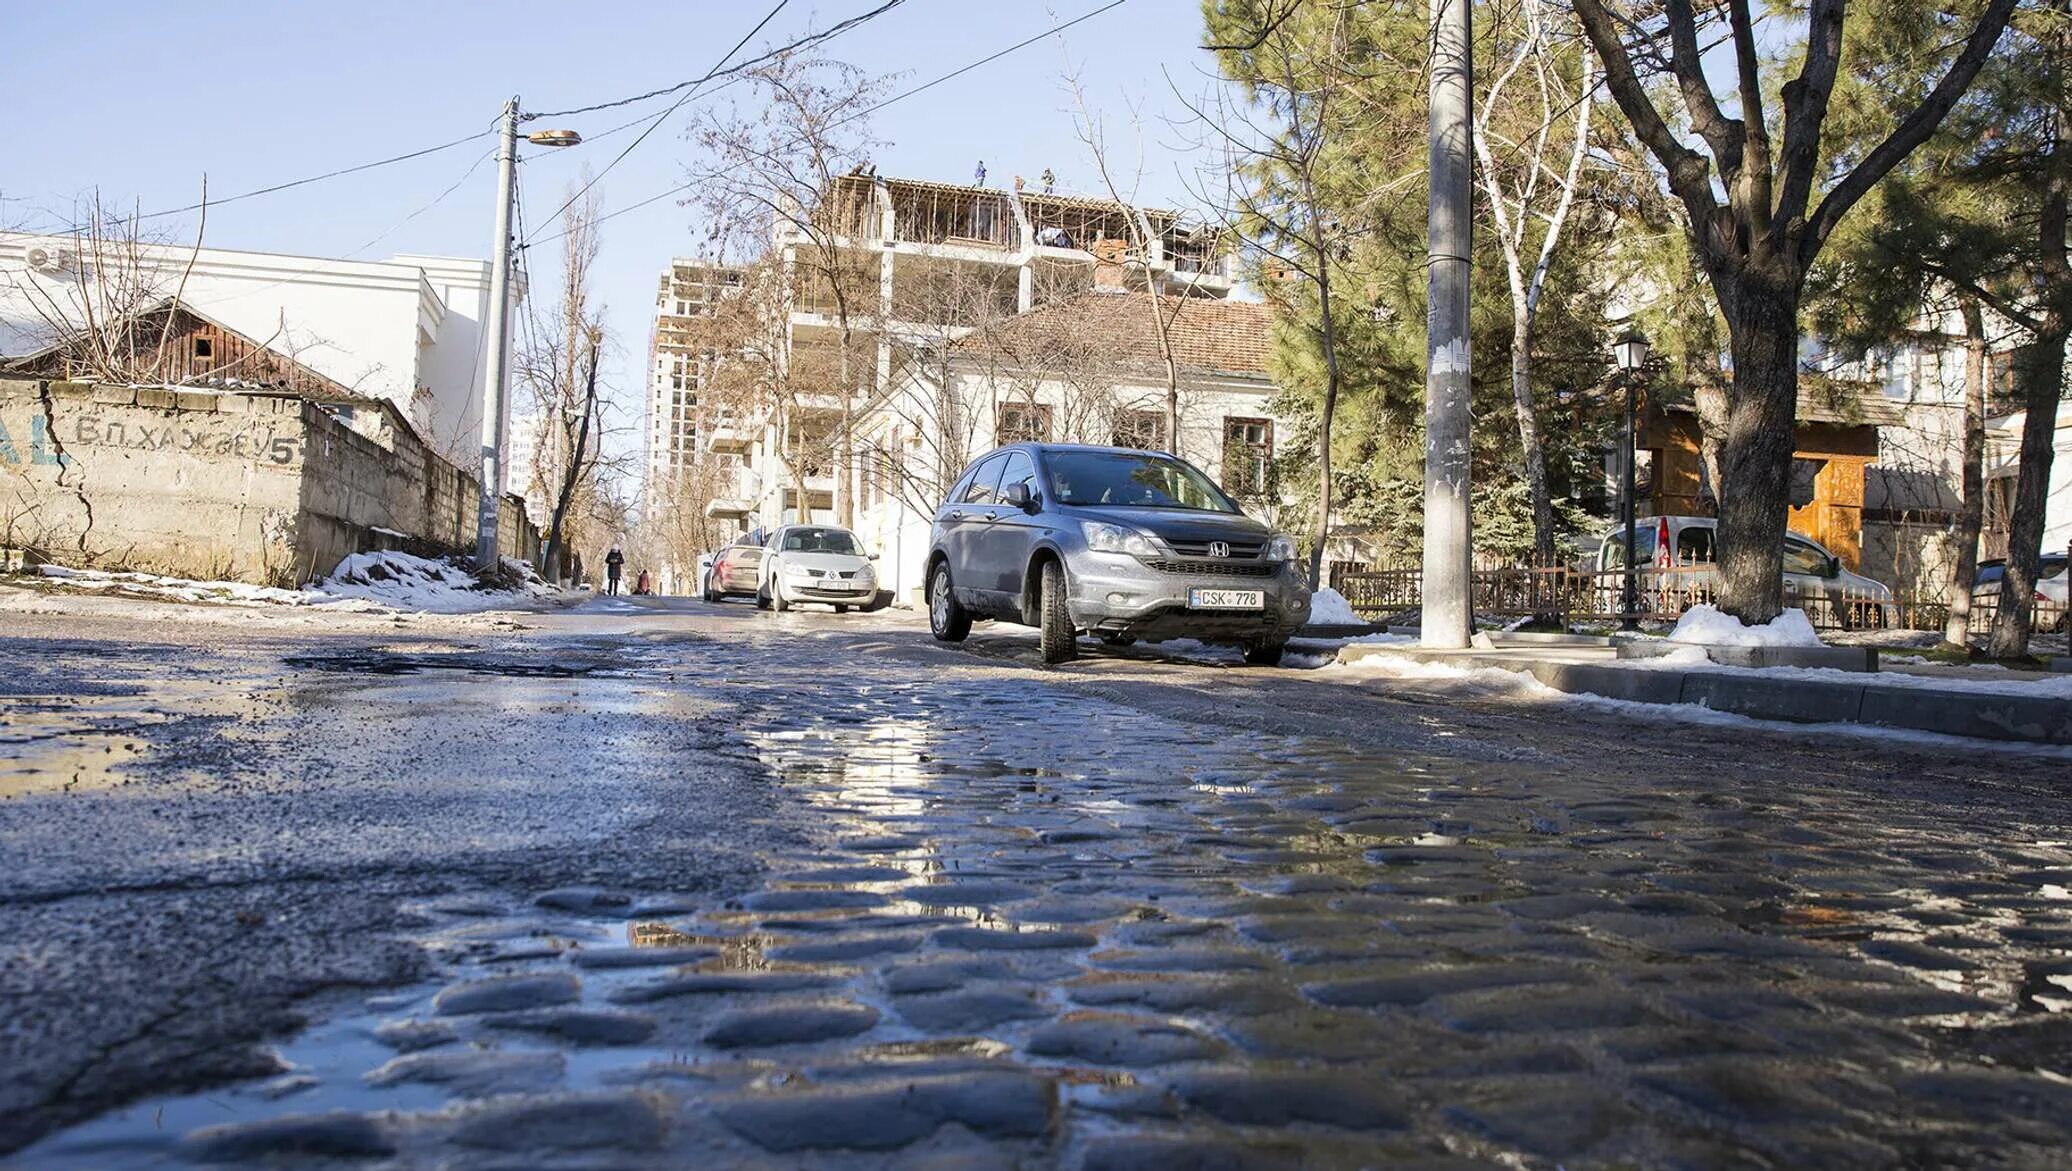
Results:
<point x="614" y="564"/>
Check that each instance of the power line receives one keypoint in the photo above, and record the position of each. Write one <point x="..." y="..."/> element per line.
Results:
<point x="955" y="73"/>
<point x="959" y="72"/>
<point x="352" y="170"/>
<point x="664" y="115"/>
<point x="803" y="42"/>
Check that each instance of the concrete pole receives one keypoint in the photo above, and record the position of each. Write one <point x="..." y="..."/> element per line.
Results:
<point x="496" y="344"/>
<point x="1448" y="619"/>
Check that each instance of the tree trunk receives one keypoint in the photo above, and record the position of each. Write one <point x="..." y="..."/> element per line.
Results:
<point x="845" y="495"/>
<point x="2042" y="367"/>
<point x="1529" y="443"/>
<point x="1762" y="320"/>
<point x="1971" y="513"/>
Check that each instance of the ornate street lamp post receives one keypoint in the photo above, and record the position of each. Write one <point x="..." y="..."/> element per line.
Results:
<point x="1630" y="352"/>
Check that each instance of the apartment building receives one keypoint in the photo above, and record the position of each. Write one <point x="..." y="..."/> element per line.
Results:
<point x="903" y="269"/>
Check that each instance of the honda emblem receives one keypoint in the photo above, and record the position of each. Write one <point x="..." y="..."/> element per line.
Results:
<point x="1219" y="549"/>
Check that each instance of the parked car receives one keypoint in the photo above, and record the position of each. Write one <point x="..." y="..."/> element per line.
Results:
<point x="1116" y="542"/>
<point x="2051" y="587"/>
<point x="737" y="569"/>
<point x="817" y="563"/>
<point x="1813" y="577"/>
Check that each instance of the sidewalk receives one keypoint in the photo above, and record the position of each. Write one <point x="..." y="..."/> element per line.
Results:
<point x="1882" y="699"/>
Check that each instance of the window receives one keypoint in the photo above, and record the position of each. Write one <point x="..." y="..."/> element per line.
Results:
<point x="1803" y="557"/>
<point x="1137" y="481"/>
<point x="1694" y="546"/>
<point x="1021" y="423"/>
<point x="1019" y="471"/>
<point x="1144" y="430"/>
<point x="1643" y="546"/>
<point x="1247" y="454"/>
<point x="822" y="541"/>
<point x="204" y="348"/>
<point x="1805" y="474"/>
<point x="984" y="482"/>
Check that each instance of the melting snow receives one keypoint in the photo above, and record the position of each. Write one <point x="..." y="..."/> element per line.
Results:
<point x="1708" y="624"/>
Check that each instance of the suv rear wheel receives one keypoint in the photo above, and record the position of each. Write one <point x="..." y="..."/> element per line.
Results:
<point x="1056" y="638"/>
<point x="947" y="621"/>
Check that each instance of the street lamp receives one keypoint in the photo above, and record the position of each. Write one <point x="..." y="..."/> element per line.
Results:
<point x="1630" y="353"/>
<point x="493" y="422"/>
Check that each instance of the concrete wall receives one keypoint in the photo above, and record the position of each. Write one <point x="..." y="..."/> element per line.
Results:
<point x="254" y="486"/>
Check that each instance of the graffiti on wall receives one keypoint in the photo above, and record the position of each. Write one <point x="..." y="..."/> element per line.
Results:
<point x="207" y="440"/>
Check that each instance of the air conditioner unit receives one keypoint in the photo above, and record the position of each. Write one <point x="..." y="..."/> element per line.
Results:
<point x="43" y="258"/>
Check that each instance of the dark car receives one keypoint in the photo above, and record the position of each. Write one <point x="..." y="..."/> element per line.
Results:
<point x="1116" y="542"/>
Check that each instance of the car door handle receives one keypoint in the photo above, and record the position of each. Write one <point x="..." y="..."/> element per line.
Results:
<point x="954" y="514"/>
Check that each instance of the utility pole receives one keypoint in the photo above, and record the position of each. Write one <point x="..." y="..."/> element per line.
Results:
<point x="493" y="382"/>
<point x="1448" y="617"/>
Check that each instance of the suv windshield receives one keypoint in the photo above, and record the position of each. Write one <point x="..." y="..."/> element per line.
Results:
<point x="1131" y="480"/>
<point x="821" y="541"/>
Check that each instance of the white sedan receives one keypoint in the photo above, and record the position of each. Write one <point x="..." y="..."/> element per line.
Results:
<point x="817" y="563"/>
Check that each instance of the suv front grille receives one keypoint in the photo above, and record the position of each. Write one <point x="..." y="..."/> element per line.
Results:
<point x="1215" y="568"/>
<point x="1238" y="549"/>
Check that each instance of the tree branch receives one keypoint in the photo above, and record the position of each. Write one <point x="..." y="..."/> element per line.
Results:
<point x="1910" y="133"/>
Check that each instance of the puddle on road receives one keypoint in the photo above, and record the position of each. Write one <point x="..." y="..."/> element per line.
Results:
<point x="65" y="743"/>
<point x="1167" y="928"/>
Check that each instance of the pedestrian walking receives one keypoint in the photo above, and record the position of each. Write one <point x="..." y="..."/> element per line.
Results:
<point x="614" y="564"/>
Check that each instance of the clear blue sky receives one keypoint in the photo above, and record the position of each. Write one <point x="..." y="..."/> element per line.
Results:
<point x="141" y="98"/>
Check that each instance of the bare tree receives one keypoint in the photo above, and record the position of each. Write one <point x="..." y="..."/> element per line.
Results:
<point x="1758" y="243"/>
<point x="797" y="165"/>
<point x="1525" y="194"/>
<point x="557" y="363"/>
<point x="1140" y="254"/>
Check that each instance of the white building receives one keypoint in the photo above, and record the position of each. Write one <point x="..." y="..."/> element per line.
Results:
<point x="2003" y="453"/>
<point x="938" y="261"/>
<point x="407" y="329"/>
<point x="1084" y="369"/>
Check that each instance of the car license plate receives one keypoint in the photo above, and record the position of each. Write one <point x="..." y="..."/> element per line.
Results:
<point x="1226" y="599"/>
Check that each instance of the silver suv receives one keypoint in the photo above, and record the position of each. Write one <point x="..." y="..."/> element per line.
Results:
<point x="1122" y="544"/>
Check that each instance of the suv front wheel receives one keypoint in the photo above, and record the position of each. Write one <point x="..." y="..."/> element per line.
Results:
<point x="947" y="621"/>
<point x="1056" y="638"/>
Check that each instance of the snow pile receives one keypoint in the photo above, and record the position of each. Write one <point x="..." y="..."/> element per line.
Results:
<point x="406" y="582"/>
<point x="1328" y="607"/>
<point x="1711" y="626"/>
<point x="1496" y="683"/>
<point x="177" y="589"/>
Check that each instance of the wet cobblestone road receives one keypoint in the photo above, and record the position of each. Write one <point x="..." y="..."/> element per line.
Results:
<point x="1031" y="927"/>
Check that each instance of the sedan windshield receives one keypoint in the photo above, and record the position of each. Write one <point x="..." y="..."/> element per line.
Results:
<point x="821" y="541"/>
<point x="1129" y="480"/>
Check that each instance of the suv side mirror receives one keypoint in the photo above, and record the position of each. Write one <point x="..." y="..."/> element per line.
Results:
<point x="874" y="557"/>
<point x="1017" y="495"/>
<point x="1834" y="567"/>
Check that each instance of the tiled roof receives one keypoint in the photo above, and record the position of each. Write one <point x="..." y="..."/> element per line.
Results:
<point x="1209" y="335"/>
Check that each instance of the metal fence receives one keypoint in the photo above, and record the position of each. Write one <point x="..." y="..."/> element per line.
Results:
<point x="1559" y="594"/>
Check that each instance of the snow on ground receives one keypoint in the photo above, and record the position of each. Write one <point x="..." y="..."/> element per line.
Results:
<point x="1990" y="680"/>
<point x="1328" y="607"/>
<point x="177" y="589"/>
<point x="365" y="582"/>
<point x="406" y="582"/>
<point x="1497" y="683"/>
<point x="1712" y="626"/>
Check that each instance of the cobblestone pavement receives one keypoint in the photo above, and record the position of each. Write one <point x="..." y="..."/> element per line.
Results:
<point x="1032" y="926"/>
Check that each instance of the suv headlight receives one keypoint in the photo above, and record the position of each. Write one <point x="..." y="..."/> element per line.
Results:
<point x="1102" y="537"/>
<point x="1280" y="548"/>
<point x="800" y="571"/>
